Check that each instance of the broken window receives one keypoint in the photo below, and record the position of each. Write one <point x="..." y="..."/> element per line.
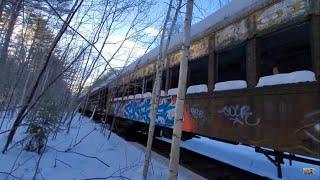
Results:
<point x="174" y="73"/>
<point x="119" y="91"/>
<point x="286" y="51"/>
<point x="231" y="64"/>
<point x="149" y="83"/>
<point x="130" y="89"/>
<point x="138" y="86"/>
<point x="198" y="71"/>
<point x="164" y="78"/>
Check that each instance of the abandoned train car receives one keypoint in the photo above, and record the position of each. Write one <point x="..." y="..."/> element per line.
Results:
<point x="253" y="78"/>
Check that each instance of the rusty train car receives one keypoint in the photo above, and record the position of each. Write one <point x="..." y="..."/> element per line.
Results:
<point x="272" y="47"/>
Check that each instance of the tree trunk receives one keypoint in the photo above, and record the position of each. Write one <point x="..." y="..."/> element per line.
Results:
<point x="117" y="111"/>
<point x="156" y="91"/>
<point x="178" y="116"/>
<point x="2" y="5"/>
<point x="29" y="98"/>
<point x="30" y="63"/>
<point x="13" y="18"/>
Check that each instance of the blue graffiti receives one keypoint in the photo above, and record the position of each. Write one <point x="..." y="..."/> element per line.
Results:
<point x="140" y="110"/>
<point x="145" y="110"/>
<point x="163" y="116"/>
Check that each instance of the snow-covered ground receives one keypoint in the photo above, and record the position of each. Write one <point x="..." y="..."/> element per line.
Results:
<point x="247" y="159"/>
<point x="125" y="159"/>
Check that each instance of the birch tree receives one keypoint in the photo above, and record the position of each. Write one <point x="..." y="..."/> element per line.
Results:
<point x="178" y="116"/>
<point x="156" y="91"/>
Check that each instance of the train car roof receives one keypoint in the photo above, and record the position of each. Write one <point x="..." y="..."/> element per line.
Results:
<point x="235" y="9"/>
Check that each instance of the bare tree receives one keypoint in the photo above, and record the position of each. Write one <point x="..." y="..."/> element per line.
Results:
<point x="2" y="5"/>
<point x="178" y="116"/>
<point x="29" y="98"/>
<point x="158" y="81"/>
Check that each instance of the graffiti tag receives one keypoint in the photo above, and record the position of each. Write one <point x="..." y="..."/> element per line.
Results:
<point x="197" y="113"/>
<point x="239" y="115"/>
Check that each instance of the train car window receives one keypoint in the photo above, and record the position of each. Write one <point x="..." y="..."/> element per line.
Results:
<point x="174" y="71"/>
<point x="198" y="71"/>
<point x="149" y="83"/>
<point x="131" y="88"/>
<point x="138" y="86"/>
<point x="232" y="64"/>
<point x="119" y="91"/>
<point x="286" y="51"/>
<point x="163" y="84"/>
<point x="104" y="97"/>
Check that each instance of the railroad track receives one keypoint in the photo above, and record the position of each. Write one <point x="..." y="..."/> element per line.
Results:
<point x="197" y="163"/>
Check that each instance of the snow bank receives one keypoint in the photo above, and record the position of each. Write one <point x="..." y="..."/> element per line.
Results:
<point x="131" y="97"/>
<point x="197" y="89"/>
<point x="163" y="93"/>
<point x="287" y="78"/>
<point x="228" y="85"/>
<point x="137" y="96"/>
<point x="147" y="95"/>
<point x="173" y="91"/>
<point x="117" y="99"/>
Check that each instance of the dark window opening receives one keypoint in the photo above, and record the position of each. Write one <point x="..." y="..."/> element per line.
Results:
<point x="198" y="71"/>
<point x="149" y="83"/>
<point x="138" y="86"/>
<point x="174" y="71"/>
<point x="130" y="90"/>
<point x="232" y="64"/>
<point x="119" y="91"/>
<point x="286" y="51"/>
<point x="104" y="97"/>
<point x="164" y="78"/>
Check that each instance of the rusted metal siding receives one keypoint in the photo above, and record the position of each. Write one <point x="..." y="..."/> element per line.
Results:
<point x="252" y="62"/>
<point x="261" y="20"/>
<point x="211" y="63"/>
<point x="285" y="118"/>
<point x="280" y="13"/>
<point x="199" y="48"/>
<point x="315" y="45"/>
<point x="173" y="59"/>
<point x="232" y="34"/>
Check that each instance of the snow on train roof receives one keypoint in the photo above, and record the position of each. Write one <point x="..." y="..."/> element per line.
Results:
<point x="235" y="8"/>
